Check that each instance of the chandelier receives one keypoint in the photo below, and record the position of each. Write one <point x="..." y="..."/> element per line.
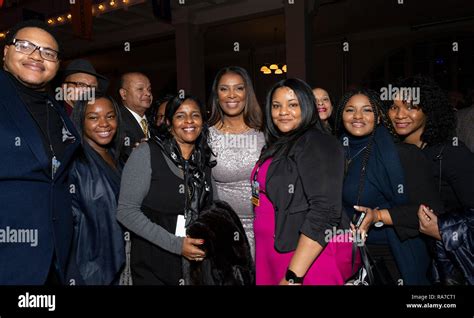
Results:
<point x="273" y="69"/>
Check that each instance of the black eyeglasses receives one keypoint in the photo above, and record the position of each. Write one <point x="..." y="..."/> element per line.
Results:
<point x="81" y="84"/>
<point x="26" y="47"/>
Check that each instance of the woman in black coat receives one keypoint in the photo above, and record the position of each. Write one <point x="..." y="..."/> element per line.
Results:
<point x="297" y="185"/>
<point x="429" y="123"/>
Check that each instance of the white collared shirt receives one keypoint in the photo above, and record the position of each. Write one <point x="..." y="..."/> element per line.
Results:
<point x="139" y="119"/>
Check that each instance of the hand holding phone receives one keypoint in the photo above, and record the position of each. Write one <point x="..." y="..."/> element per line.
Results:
<point x="358" y="219"/>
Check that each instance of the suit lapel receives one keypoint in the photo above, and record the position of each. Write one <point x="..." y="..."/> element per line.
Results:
<point x="131" y="119"/>
<point x="22" y="119"/>
<point x="28" y="129"/>
<point x="281" y="181"/>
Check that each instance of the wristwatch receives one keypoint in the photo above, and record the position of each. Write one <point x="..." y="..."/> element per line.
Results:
<point x="379" y="222"/>
<point x="292" y="278"/>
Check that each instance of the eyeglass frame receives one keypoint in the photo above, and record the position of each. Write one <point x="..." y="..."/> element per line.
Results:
<point x="81" y="85"/>
<point x="37" y="47"/>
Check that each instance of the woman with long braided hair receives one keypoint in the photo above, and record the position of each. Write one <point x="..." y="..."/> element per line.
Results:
<point x="386" y="181"/>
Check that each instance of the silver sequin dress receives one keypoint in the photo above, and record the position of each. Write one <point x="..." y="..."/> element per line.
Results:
<point x="236" y="155"/>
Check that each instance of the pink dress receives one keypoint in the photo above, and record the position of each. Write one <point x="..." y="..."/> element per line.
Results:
<point x="332" y="267"/>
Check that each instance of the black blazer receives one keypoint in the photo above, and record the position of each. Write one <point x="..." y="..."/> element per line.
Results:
<point x="132" y="133"/>
<point x="306" y="189"/>
<point x="29" y="197"/>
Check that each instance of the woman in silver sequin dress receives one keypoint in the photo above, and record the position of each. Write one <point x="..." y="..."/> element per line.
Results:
<point x="236" y="140"/>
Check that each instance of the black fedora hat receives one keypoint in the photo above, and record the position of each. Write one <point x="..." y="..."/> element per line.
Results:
<point x="84" y="66"/>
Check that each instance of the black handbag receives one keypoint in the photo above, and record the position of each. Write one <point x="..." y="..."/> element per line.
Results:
<point x="373" y="271"/>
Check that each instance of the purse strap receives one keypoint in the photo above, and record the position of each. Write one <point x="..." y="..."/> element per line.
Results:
<point x="439" y="157"/>
<point x="354" y="250"/>
<point x="366" y="262"/>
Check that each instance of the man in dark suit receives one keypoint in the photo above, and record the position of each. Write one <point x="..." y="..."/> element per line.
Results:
<point x="135" y="92"/>
<point x="37" y="143"/>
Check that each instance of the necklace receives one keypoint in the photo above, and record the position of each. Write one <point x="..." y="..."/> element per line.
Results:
<point x="232" y="129"/>
<point x="349" y="160"/>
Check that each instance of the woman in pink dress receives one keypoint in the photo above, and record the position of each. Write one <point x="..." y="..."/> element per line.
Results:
<point x="296" y="192"/>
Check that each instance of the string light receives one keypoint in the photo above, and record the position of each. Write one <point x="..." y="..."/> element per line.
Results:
<point x="108" y="5"/>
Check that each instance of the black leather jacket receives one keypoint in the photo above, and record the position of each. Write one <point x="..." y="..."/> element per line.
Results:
<point x="97" y="251"/>
<point x="454" y="263"/>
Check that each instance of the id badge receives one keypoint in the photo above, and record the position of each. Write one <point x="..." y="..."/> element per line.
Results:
<point x="255" y="193"/>
<point x="180" y="226"/>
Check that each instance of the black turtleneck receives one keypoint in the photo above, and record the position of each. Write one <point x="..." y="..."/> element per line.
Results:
<point x="45" y="115"/>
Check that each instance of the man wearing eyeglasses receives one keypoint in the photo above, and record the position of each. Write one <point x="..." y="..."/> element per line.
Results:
<point x="81" y="81"/>
<point x="37" y="145"/>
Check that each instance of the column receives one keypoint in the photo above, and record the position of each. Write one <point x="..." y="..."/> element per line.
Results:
<point x="190" y="58"/>
<point x="298" y="44"/>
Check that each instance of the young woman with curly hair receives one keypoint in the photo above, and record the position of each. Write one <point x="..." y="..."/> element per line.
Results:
<point x="430" y="125"/>
<point x="387" y="181"/>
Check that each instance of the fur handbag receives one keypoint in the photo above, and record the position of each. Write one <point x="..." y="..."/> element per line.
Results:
<point x="228" y="259"/>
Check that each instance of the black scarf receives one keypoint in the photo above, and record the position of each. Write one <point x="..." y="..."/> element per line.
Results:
<point x="195" y="170"/>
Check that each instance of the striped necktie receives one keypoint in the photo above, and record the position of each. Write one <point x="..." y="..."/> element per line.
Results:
<point x="144" y="127"/>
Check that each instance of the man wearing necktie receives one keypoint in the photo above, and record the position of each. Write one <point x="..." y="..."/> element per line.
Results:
<point x="135" y="92"/>
<point x="144" y="125"/>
